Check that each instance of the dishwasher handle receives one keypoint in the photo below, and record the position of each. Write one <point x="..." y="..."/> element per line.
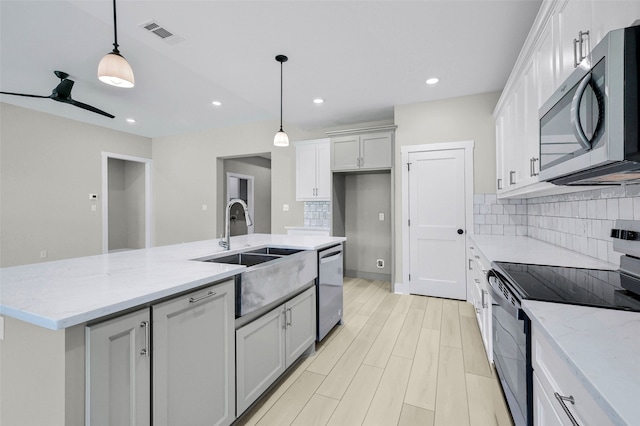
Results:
<point x="330" y="257"/>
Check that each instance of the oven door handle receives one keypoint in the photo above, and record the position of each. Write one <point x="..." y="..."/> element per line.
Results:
<point x="499" y="297"/>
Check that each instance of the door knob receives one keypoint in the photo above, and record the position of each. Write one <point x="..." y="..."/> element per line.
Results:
<point x="460" y="232"/>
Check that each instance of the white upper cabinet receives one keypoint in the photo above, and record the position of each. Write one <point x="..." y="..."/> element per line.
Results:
<point x="313" y="171"/>
<point x="563" y="34"/>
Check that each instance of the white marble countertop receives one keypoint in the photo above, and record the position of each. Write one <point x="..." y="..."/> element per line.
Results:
<point x="522" y="249"/>
<point x="602" y="348"/>
<point x="64" y="293"/>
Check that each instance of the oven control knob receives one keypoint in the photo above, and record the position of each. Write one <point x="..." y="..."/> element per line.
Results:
<point x="460" y="232"/>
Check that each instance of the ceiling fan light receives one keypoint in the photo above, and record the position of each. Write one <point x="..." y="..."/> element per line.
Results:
<point x="115" y="70"/>
<point x="281" y="139"/>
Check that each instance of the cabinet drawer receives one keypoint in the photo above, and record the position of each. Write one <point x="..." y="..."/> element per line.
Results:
<point x="555" y="375"/>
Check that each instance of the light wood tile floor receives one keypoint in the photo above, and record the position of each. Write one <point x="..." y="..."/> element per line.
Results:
<point x="397" y="360"/>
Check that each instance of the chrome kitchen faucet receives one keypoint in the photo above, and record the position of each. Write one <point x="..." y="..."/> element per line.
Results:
<point x="226" y="242"/>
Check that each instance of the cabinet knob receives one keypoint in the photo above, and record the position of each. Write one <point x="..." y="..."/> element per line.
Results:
<point x="460" y="232"/>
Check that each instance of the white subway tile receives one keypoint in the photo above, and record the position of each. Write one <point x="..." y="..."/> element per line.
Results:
<point x="479" y="219"/>
<point x="636" y="208"/>
<point x="626" y="208"/>
<point x="509" y="230"/>
<point x="521" y="230"/>
<point x="491" y="219"/>
<point x="497" y="229"/>
<point x="582" y="209"/>
<point x="478" y="199"/>
<point x="521" y="209"/>
<point x="485" y="209"/>
<point x="601" y="209"/>
<point x="485" y="229"/>
<point x="503" y="219"/>
<point x="612" y="209"/>
<point x="490" y="198"/>
<point x="591" y="209"/>
<point x="497" y="209"/>
<point x="476" y="209"/>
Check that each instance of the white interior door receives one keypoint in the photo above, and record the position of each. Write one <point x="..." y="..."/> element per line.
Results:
<point x="437" y="223"/>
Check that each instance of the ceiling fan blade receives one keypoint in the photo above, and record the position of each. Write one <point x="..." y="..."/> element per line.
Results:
<point x="24" y="94"/>
<point x="89" y="108"/>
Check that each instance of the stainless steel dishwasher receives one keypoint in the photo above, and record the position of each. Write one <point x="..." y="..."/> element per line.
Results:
<point x="329" y="290"/>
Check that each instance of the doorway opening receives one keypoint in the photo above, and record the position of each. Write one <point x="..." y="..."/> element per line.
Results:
<point x="247" y="178"/>
<point x="126" y="202"/>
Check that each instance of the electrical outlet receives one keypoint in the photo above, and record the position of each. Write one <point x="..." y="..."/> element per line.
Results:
<point x="43" y="254"/>
<point x="380" y="216"/>
<point x="285" y="207"/>
<point x="380" y="264"/>
<point x="204" y="207"/>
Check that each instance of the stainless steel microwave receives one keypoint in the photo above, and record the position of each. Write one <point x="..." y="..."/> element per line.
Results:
<point x="589" y="127"/>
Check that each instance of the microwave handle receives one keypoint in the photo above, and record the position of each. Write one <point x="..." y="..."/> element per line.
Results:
<point x="575" y="113"/>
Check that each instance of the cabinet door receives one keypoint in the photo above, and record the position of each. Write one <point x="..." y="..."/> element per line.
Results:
<point x="531" y="147"/>
<point x="501" y="172"/>
<point x="610" y="15"/>
<point x="301" y="324"/>
<point x="572" y="17"/>
<point x="118" y="390"/>
<point x="323" y="171"/>
<point x="306" y="172"/>
<point x="260" y="356"/>
<point x="546" y="65"/>
<point x="193" y="358"/>
<point x="544" y="413"/>
<point x="375" y="151"/>
<point x="345" y="153"/>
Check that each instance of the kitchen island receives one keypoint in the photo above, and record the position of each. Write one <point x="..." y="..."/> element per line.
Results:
<point x="45" y="308"/>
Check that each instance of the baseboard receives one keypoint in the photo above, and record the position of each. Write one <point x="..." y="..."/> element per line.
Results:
<point x="401" y="288"/>
<point x="367" y="275"/>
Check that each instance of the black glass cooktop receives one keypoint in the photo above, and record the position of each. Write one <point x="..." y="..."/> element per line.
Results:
<point x="589" y="287"/>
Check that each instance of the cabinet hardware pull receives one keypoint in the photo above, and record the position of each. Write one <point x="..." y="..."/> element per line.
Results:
<point x="197" y="299"/>
<point x="512" y="177"/>
<point x="561" y="399"/>
<point x="470" y="261"/>
<point x="477" y="281"/>
<point x="290" y="317"/>
<point x="284" y="322"/>
<point x="531" y="167"/>
<point x="145" y="351"/>
<point x="534" y="166"/>
<point x="499" y="183"/>
<point x="581" y="35"/>
<point x="575" y="53"/>
<point x="484" y="301"/>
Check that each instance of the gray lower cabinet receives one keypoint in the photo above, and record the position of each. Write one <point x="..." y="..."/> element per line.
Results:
<point x="271" y="343"/>
<point x="118" y="371"/>
<point x="193" y="358"/>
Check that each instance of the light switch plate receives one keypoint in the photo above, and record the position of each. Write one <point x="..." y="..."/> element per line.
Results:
<point x="285" y="207"/>
<point x="380" y="216"/>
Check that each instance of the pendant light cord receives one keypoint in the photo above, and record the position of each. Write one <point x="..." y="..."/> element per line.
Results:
<point x="115" y="29"/>
<point x="280" y="95"/>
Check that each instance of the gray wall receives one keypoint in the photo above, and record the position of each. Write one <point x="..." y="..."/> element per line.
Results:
<point x="48" y="167"/>
<point x="368" y="238"/>
<point x="260" y="169"/>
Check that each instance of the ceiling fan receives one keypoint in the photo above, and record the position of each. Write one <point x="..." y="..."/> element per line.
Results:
<point x="62" y="93"/>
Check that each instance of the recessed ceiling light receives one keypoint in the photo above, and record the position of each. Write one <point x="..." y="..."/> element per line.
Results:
<point x="131" y="120"/>
<point x="318" y="101"/>
<point x="216" y="103"/>
<point x="432" y="80"/>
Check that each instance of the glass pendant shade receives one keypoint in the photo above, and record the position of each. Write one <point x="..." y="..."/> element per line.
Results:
<point x="281" y="139"/>
<point x="115" y="70"/>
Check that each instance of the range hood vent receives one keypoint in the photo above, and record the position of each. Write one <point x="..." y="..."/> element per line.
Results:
<point x="155" y="28"/>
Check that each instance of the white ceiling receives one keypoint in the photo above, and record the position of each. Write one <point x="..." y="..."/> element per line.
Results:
<point x="362" y="57"/>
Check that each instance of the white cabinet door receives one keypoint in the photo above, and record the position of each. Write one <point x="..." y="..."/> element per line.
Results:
<point x="345" y="153"/>
<point x="301" y="324"/>
<point x="545" y="60"/>
<point x="193" y="358"/>
<point x="118" y="389"/>
<point x="323" y="171"/>
<point x="572" y="16"/>
<point x="531" y="142"/>
<point x="500" y="156"/>
<point x="306" y="172"/>
<point x="544" y="413"/>
<point x="375" y="151"/>
<point x="260" y="354"/>
<point x="610" y="15"/>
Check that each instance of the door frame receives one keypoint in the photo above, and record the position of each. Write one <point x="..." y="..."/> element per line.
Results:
<point x="250" y="195"/>
<point x="404" y="287"/>
<point x="148" y="204"/>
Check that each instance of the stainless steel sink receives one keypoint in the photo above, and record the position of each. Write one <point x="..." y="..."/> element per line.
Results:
<point x="275" y="250"/>
<point x="271" y="275"/>
<point x="246" y="259"/>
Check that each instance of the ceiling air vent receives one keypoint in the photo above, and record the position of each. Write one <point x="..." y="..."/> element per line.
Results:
<point x="160" y="31"/>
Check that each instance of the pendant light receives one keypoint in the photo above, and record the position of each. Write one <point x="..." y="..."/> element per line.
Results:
<point x="281" y="138"/>
<point x="114" y="68"/>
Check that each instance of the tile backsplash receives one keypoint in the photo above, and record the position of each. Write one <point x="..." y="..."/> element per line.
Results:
<point x="317" y="214"/>
<point x="579" y="221"/>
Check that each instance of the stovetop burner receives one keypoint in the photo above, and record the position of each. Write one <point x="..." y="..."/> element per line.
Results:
<point x="578" y="286"/>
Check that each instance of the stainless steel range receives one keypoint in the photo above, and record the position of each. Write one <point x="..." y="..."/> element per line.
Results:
<point x="510" y="283"/>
